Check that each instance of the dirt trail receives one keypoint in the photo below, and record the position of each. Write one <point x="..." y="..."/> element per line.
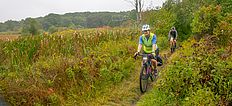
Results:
<point x="127" y="92"/>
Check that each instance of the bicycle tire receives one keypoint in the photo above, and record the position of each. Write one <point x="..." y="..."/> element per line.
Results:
<point x="143" y="79"/>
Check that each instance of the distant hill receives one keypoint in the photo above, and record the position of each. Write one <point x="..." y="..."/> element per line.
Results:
<point x="73" y="20"/>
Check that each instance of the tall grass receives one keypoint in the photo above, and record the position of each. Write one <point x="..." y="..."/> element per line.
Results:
<point x="68" y="67"/>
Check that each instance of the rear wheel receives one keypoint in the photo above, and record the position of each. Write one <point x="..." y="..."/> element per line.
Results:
<point x="143" y="79"/>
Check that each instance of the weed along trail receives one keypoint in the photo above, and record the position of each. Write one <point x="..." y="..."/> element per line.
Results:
<point x="127" y="92"/>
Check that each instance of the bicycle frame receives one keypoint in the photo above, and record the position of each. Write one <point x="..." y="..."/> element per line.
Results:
<point x="147" y="63"/>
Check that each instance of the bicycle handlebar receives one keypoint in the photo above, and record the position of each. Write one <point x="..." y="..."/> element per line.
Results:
<point x="142" y="54"/>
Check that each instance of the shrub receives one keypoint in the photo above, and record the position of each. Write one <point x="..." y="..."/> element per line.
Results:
<point x="224" y="30"/>
<point x="206" y="19"/>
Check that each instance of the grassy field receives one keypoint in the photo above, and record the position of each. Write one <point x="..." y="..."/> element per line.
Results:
<point x="9" y="37"/>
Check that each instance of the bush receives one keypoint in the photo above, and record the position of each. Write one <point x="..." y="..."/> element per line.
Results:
<point x="224" y="30"/>
<point x="202" y="97"/>
<point x="206" y="19"/>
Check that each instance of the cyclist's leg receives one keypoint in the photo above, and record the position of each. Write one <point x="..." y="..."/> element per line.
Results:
<point x="154" y="64"/>
<point x="171" y="43"/>
<point x="174" y="42"/>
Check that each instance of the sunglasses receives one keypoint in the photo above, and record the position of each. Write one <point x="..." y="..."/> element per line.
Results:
<point x="145" y="31"/>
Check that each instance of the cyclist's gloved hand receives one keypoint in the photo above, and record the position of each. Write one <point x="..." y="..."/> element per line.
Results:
<point x="135" y="55"/>
<point x="154" y="54"/>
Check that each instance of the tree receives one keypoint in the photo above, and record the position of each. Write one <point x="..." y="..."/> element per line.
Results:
<point x="138" y="4"/>
<point x="161" y="20"/>
<point x="31" y="27"/>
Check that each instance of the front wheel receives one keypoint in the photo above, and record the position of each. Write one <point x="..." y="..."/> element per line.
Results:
<point x="143" y="79"/>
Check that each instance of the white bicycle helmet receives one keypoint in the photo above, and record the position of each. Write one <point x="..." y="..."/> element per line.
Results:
<point x="173" y="28"/>
<point x="145" y="27"/>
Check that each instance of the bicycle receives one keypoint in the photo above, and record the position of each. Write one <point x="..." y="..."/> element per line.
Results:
<point x="146" y="72"/>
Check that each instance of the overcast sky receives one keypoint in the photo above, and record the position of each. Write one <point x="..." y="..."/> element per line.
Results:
<point x="21" y="9"/>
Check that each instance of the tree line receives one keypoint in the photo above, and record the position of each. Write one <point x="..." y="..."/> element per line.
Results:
<point x="77" y="20"/>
